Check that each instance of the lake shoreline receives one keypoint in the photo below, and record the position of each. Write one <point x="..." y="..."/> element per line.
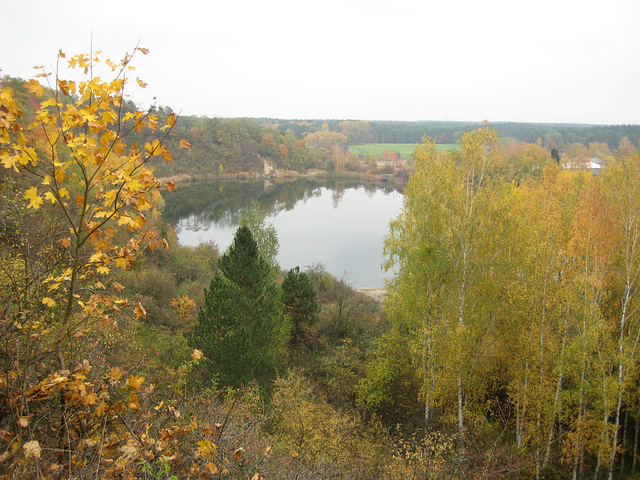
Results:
<point x="287" y="175"/>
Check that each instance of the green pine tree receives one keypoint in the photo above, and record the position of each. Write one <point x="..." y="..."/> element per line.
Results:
<point x="300" y="303"/>
<point x="240" y="328"/>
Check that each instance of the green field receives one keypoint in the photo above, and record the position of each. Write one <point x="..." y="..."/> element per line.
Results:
<point x="404" y="150"/>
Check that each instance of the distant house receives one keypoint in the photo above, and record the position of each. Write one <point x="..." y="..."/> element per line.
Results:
<point x="594" y="163"/>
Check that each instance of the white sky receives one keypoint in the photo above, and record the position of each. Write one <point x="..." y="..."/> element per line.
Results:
<point x="501" y="60"/>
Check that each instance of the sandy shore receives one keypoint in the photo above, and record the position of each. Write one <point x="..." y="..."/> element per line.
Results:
<point x="378" y="294"/>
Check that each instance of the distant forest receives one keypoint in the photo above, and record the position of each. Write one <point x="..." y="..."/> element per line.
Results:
<point x="232" y="146"/>
<point x="450" y="132"/>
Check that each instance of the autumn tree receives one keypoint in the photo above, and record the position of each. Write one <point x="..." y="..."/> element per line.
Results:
<point x="326" y="141"/>
<point x="622" y="190"/>
<point x="76" y="169"/>
<point x="357" y="132"/>
<point x="441" y="244"/>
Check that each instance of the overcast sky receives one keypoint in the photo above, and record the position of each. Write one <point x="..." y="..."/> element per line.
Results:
<point x="470" y="60"/>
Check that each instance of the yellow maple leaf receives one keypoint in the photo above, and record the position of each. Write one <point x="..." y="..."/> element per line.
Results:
<point x="126" y="220"/>
<point x="152" y="147"/>
<point x="135" y="382"/>
<point x="115" y="374"/>
<point x="49" y="302"/>
<point x="35" y="201"/>
<point x="207" y="449"/>
<point x="50" y="196"/>
<point x="133" y="402"/>
<point x="90" y="399"/>
<point x="102" y="409"/>
<point x="35" y="87"/>
<point x="9" y="162"/>
<point x="60" y="175"/>
<point x="123" y="263"/>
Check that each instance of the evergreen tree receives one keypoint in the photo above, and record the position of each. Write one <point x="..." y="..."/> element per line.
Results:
<point x="264" y="233"/>
<point x="300" y="303"/>
<point x="240" y="328"/>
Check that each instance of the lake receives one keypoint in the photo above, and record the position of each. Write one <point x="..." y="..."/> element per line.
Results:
<point x="339" y="224"/>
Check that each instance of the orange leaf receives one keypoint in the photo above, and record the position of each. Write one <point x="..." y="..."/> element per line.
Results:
<point x="167" y="156"/>
<point x="184" y="143"/>
<point x="141" y="83"/>
<point x="170" y="186"/>
<point x="143" y="50"/>
<point x="67" y="86"/>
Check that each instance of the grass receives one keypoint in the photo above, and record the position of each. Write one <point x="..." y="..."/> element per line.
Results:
<point x="404" y="150"/>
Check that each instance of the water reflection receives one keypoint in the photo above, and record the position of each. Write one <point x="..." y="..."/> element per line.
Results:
<point x="340" y="224"/>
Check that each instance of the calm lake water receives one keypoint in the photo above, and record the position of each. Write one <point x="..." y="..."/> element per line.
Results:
<point x="341" y="225"/>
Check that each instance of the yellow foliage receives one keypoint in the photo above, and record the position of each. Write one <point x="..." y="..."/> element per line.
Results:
<point x="135" y="382"/>
<point x="207" y="449"/>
